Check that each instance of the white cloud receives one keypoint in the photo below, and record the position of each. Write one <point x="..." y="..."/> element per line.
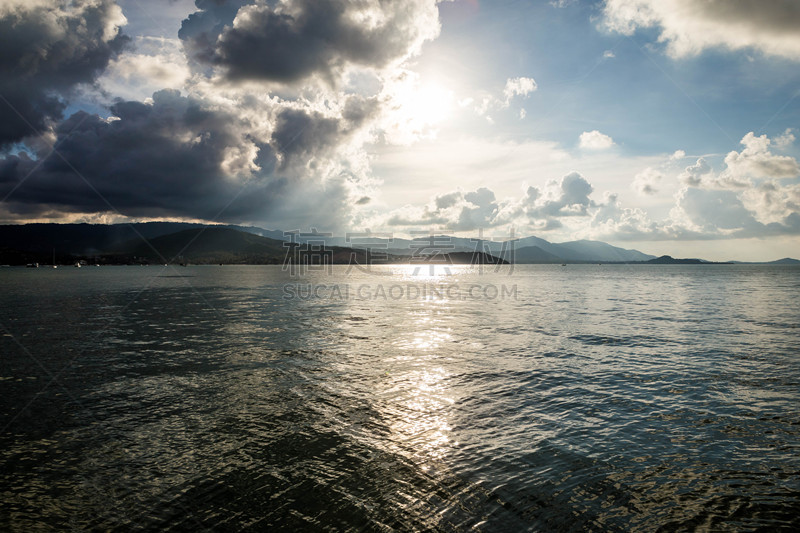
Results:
<point x="568" y="196"/>
<point x="455" y="210"/>
<point x="519" y="87"/>
<point x="688" y="27"/>
<point x="646" y="181"/>
<point x="714" y="211"/>
<point x="785" y="140"/>
<point x="678" y="154"/>
<point x="486" y="101"/>
<point x="594" y="140"/>
<point x="756" y="160"/>
<point x="693" y="175"/>
<point x="155" y="64"/>
<point x="772" y="203"/>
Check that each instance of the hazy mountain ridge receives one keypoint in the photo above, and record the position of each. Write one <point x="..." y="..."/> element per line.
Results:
<point x="180" y="241"/>
<point x="202" y="245"/>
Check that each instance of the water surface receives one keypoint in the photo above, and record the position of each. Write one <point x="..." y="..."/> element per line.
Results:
<point x="557" y="398"/>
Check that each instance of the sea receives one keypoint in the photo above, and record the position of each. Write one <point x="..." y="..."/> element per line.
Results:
<point x="400" y="398"/>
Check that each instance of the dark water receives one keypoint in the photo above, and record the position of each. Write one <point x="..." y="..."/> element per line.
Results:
<point x="605" y="398"/>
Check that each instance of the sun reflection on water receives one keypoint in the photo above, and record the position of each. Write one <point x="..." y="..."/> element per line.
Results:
<point x="421" y="423"/>
<point x="420" y="395"/>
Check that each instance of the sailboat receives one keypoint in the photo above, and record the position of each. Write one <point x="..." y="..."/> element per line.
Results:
<point x="54" y="259"/>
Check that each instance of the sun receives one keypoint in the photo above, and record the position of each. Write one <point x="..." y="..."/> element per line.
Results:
<point x="417" y="108"/>
<point x="430" y="104"/>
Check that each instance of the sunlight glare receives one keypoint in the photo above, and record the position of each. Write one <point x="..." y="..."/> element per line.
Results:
<point x="430" y="104"/>
<point x="417" y="109"/>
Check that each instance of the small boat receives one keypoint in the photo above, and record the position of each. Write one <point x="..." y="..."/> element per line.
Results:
<point x="77" y="265"/>
<point x="32" y="265"/>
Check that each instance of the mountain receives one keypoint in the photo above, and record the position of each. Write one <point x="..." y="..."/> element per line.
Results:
<point x="220" y="244"/>
<point x="211" y="244"/>
<point x="36" y="243"/>
<point x="532" y="254"/>
<point x="84" y="239"/>
<point x="669" y="260"/>
<point x="575" y="251"/>
<point x="784" y="261"/>
<point x="580" y="251"/>
<point x="598" y="251"/>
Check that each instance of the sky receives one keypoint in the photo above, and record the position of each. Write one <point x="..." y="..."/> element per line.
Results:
<point x="669" y="126"/>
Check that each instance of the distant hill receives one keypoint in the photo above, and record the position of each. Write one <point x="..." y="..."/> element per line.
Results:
<point x="209" y="244"/>
<point x="28" y="243"/>
<point x="36" y="242"/>
<point x="574" y="251"/>
<point x="216" y="244"/>
<point x="84" y="239"/>
<point x="534" y="254"/>
<point x="784" y="261"/>
<point x="599" y="251"/>
<point x="669" y="260"/>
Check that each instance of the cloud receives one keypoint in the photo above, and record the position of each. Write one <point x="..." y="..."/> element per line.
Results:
<point x="688" y="27"/>
<point x="48" y="48"/>
<point x="714" y="210"/>
<point x="537" y="209"/>
<point x="222" y="151"/>
<point x="518" y="87"/>
<point x="756" y="160"/>
<point x="612" y="220"/>
<point x="173" y="157"/>
<point x="694" y="175"/>
<point x="152" y="64"/>
<point x="456" y="210"/>
<point x="305" y="138"/>
<point x="444" y="201"/>
<point x="772" y="203"/>
<point x="784" y="140"/>
<point x="487" y="102"/>
<point x="645" y="182"/>
<point x="705" y="214"/>
<point x="568" y="196"/>
<point x="182" y="156"/>
<point x="594" y="140"/>
<point x="566" y="206"/>
<point x="293" y="40"/>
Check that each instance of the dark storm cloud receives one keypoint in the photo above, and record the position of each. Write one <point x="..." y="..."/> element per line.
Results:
<point x="178" y="157"/>
<point x="304" y="136"/>
<point x="780" y="16"/>
<point x="45" y="51"/>
<point x="240" y="157"/>
<point x="297" y="39"/>
<point x="162" y="159"/>
<point x="200" y="30"/>
<point x="688" y="27"/>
